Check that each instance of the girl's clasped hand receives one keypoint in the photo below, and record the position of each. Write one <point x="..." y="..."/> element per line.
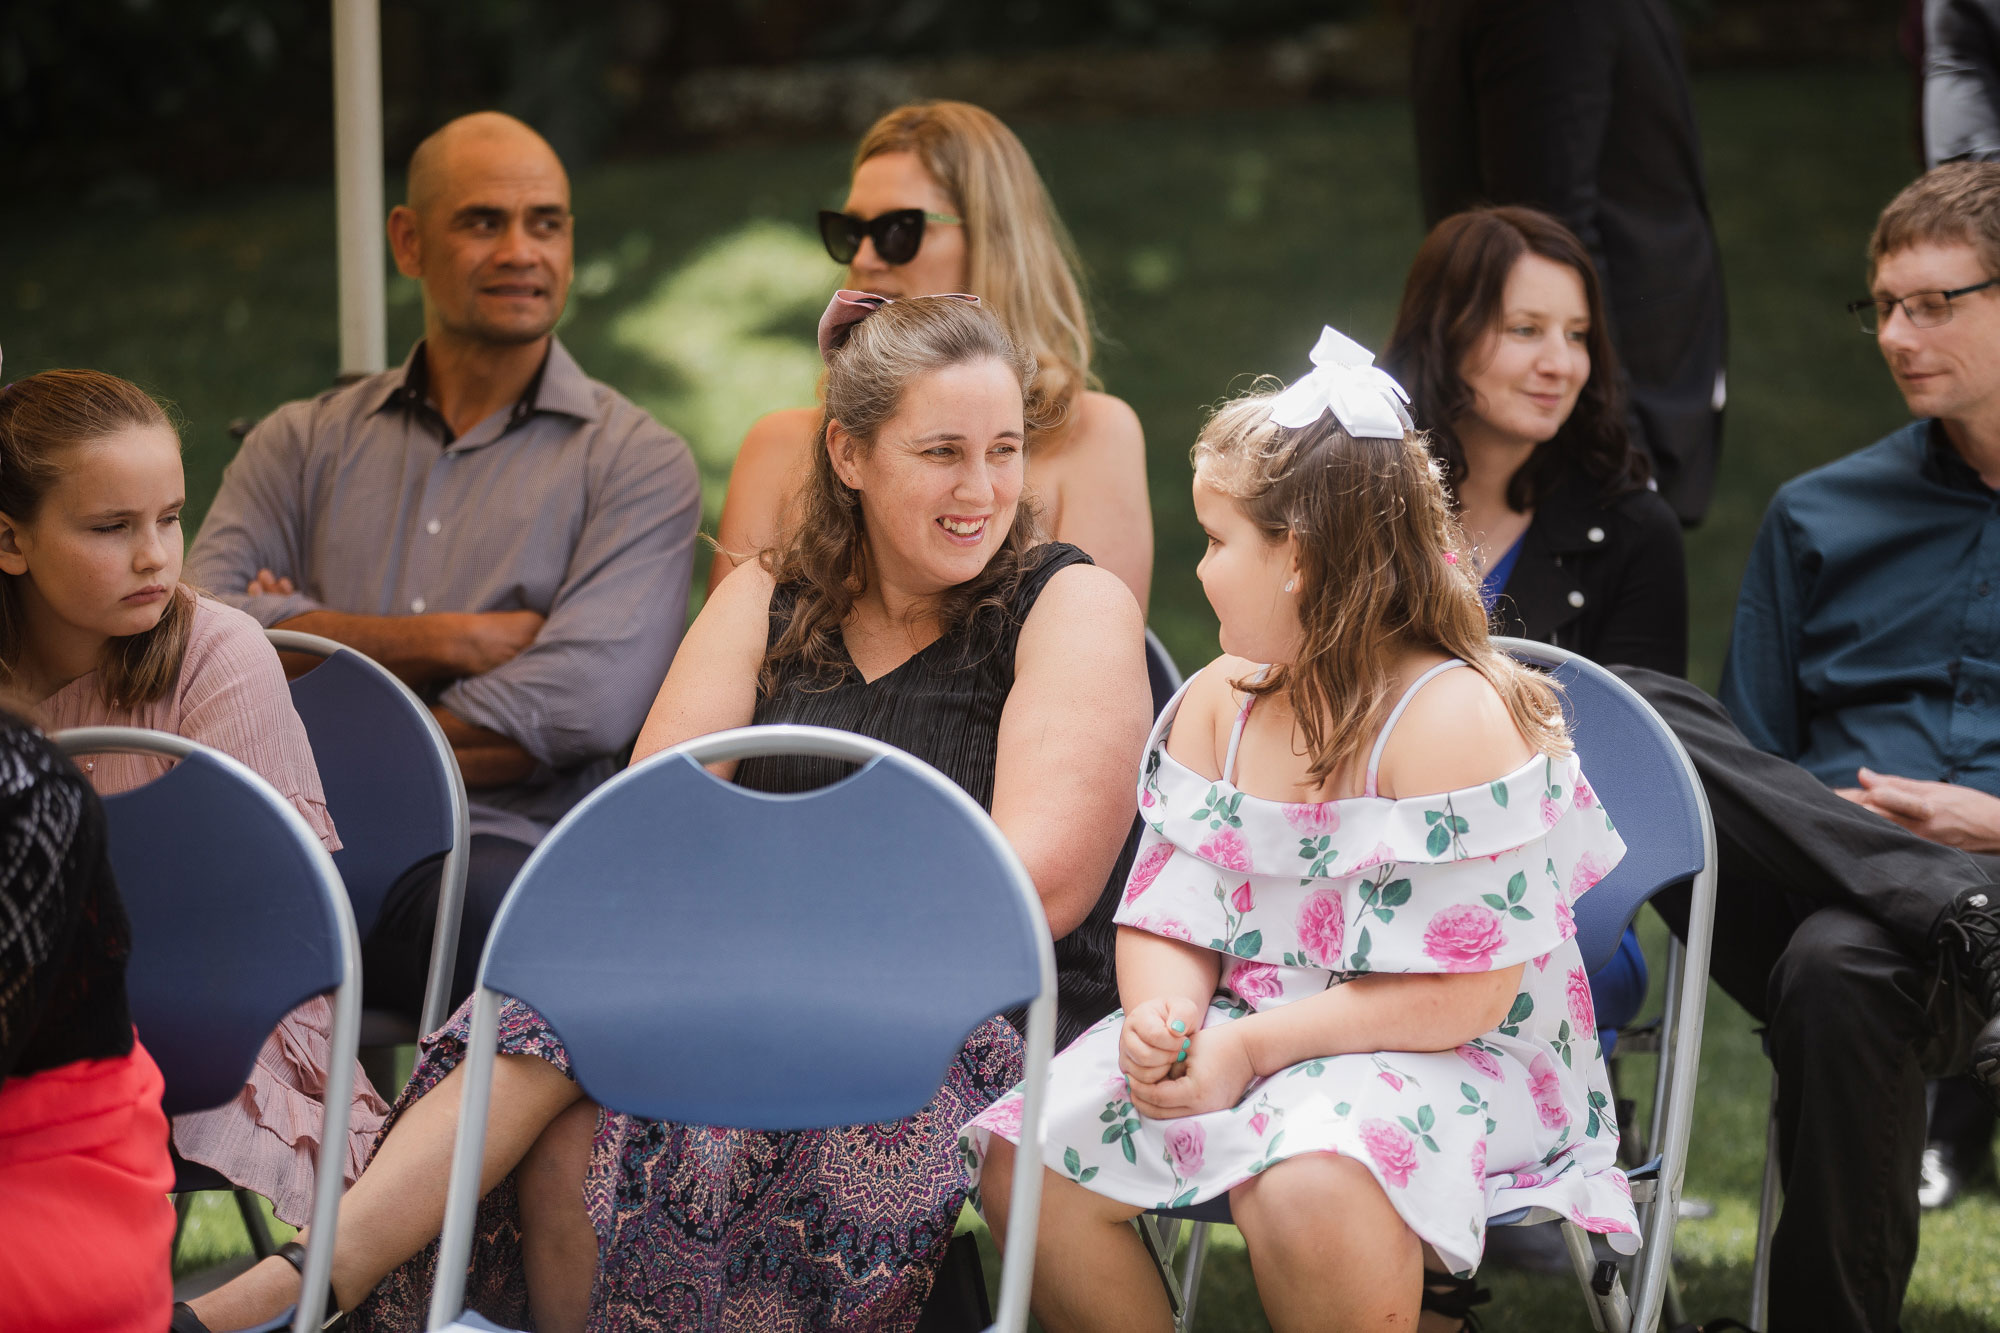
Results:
<point x="1175" y="1067"/>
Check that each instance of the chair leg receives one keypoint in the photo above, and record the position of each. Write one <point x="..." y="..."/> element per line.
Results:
<point x="261" y="1243"/>
<point x="1197" y="1256"/>
<point x="1767" y="1220"/>
<point x="1159" y="1235"/>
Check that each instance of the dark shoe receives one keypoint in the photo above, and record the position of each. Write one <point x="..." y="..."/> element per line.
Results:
<point x="1968" y="939"/>
<point x="1454" y="1297"/>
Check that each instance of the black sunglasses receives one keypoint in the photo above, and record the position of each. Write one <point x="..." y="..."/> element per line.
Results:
<point x="897" y="235"/>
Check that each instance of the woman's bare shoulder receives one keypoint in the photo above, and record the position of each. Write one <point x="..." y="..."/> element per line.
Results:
<point x="778" y="438"/>
<point x="1102" y="426"/>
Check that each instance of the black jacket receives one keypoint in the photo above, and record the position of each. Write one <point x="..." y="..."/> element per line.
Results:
<point x="1580" y="108"/>
<point x="1607" y="579"/>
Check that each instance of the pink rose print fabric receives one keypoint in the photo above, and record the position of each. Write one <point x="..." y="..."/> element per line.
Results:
<point x="1297" y="898"/>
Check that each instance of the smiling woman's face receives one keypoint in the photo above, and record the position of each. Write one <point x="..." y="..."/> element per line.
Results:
<point x="103" y="552"/>
<point x="940" y="487"/>
<point x="1526" y="373"/>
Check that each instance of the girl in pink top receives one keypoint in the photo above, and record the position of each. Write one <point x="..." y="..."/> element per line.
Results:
<point x="96" y="625"/>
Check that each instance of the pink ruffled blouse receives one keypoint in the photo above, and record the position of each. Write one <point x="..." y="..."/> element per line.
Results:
<point x="232" y="696"/>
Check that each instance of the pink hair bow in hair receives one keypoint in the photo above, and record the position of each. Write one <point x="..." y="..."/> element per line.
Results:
<point x="1345" y="381"/>
<point x="848" y="308"/>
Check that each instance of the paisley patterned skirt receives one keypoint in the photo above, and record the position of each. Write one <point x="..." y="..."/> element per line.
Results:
<point x="724" y="1230"/>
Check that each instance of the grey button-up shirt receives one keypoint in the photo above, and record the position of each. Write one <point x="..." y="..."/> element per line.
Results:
<point x="574" y="504"/>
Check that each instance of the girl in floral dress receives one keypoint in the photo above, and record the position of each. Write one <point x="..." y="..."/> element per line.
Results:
<point x="1352" y="997"/>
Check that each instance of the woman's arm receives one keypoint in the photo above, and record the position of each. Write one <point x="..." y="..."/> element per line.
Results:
<point x="769" y="465"/>
<point x="712" y="685"/>
<point x="1071" y="735"/>
<point x="1105" y="506"/>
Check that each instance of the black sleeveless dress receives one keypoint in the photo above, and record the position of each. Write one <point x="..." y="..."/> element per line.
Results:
<point x="943" y="706"/>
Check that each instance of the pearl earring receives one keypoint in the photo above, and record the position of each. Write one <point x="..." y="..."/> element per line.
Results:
<point x="1291" y="585"/>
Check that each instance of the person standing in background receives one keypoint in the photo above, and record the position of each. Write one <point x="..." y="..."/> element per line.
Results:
<point x="1580" y="108"/>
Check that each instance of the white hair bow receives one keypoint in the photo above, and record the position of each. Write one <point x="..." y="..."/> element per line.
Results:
<point x="1346" y="381"/>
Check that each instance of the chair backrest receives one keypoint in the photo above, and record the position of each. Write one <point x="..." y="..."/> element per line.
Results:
<point x="238" y="917"/>
<point x="1640" y="773"/>
<point x="776" y="962"/>
<point x="1161" y="673"/>
<point x="227" y="891"/>
<point x="391" y="785"/>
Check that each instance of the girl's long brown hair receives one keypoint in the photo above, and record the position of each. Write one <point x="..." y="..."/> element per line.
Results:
<point x="42" y="418"/>
<point x="1383" y="569"/>
<point x="1019" y="259"/>
<point x="823" y="553"/>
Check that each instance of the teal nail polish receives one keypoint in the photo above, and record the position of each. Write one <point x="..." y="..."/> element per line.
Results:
<point x="1182" y="1056"/>
<point x="1178" y="1026"/>
<point x="1185" y="1043"/>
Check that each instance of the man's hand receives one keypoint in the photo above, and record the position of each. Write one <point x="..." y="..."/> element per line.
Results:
<point x="1156" y="1038"/>
<point x="1940" y="811"/>
<point x="1217" y="1071"/>
<point x="485" y="639"/>
<point x="267" y="584"/>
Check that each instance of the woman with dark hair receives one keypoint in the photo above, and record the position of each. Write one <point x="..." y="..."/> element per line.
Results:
<point x="1502" y="343"/>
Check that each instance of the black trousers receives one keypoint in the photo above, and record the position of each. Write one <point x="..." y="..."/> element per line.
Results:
<point x="396" y="956"/>
<point x="1825" y="914"/>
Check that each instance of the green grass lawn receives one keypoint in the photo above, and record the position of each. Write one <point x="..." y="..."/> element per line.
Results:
<point x="1216" y="247"/>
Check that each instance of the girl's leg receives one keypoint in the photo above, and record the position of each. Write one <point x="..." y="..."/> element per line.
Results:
<point x="1092" y="1271"/>
<point x="1329" y="1251"/>
<point x="558" y="1243"/>
<point x="396" y="1207"/>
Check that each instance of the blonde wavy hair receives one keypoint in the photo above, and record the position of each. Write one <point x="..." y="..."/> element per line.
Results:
<point x="1383" y="569"/>
<point x="1020" y="260"/>
<point x="823" y="556"/>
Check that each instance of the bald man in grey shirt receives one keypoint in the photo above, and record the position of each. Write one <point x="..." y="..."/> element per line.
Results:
<point x="511" y="537"/>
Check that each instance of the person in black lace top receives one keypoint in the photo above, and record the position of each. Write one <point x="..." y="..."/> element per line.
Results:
<point x="913" y="600"/>
<point x="85" y="1227"/>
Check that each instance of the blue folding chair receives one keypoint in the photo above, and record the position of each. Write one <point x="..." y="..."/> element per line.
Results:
<point x="396" y="797"/>
<point x="238" y="917"/>
<point x="1161" y="673"/>
<point x="887" y="906"/>
<point x="1645" y="779"/>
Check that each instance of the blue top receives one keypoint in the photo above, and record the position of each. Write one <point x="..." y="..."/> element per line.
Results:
<point x="1495" y="579"/>
<point x="1867" y="630"/>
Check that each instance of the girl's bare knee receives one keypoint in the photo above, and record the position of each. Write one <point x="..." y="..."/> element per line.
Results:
<point x="1309" y="1199"/>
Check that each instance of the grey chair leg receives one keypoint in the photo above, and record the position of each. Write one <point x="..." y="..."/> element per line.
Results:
<point x="1197" y="1256"/>
<point x="1767" y="1220"/>
<point x="261" y="1243"/>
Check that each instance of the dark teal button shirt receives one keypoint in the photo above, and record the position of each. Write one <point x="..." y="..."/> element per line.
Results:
<point x="1868" y="626"/>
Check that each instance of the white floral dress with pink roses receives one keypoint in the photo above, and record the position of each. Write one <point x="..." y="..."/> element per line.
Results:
<point x="1299" y="898"/>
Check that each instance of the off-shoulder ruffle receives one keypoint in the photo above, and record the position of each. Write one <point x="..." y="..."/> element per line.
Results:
<point x="267" y="1139"/>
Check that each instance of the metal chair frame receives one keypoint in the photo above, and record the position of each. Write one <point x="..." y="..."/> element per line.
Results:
<point x="346" y="1004"/>
<point x="448" y="1293"/>
<point x="451" y="891"/>
<point x="1657" y="1184"/>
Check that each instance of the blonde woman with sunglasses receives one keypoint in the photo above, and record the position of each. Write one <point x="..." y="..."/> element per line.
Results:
<point x="944" y="198"/>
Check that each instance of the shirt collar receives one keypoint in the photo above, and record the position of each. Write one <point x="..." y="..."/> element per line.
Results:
<point x="559" y="385"/>
<point x="1944" y="465"/>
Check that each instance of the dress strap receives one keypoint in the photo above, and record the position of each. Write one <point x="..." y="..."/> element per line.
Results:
<point x="1395" y="715"/>
<point x="1236" y="732"/>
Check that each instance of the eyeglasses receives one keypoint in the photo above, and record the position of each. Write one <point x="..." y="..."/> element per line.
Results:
<point x="1925" y="310"/>
<point x="897" y="235"/>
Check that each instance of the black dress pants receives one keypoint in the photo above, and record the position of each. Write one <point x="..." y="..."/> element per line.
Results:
<point x="1825" y="914"/>
<point x="396" y="956"/>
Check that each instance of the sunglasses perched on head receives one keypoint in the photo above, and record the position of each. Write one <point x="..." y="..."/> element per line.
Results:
<point x="897" y="235"/>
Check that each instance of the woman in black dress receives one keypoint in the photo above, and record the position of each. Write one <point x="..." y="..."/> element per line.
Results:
<point x="1502" y="343"/>
<point x="913" y="600"/>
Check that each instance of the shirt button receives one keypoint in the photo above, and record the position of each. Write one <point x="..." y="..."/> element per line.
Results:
<point x="1576" y="597"/>
<point x="434" y="527"/>
<point x="417" y="606"/>
<point x="1595" y="534"/>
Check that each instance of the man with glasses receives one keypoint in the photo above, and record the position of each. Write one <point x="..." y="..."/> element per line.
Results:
<point x="1855" y="776"/>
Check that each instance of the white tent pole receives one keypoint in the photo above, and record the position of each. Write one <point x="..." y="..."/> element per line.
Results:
<point x="357" y="185"/>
